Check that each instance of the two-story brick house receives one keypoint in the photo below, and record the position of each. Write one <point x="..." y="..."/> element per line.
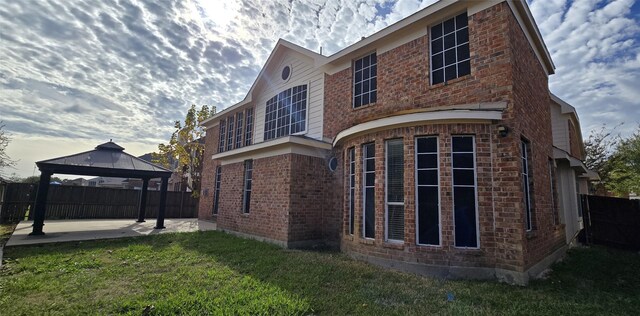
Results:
<point x="427" y="147"/>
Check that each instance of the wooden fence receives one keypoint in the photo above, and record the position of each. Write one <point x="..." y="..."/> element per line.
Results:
<point x="74" y="202"/>
<point x="611" y="221"/>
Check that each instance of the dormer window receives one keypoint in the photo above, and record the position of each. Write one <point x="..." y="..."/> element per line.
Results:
<point x="286" y="113"/>
<point x="450" y="49"/>
<point x="365" y="80"/>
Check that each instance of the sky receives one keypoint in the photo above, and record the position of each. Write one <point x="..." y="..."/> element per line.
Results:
<point x="74" y="74"/>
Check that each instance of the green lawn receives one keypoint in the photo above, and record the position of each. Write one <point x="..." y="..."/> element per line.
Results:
<point x="214" y="273"/>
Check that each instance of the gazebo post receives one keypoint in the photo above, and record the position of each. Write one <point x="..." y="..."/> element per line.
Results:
<point x="41" y="203"/>
<point x="143" y="200"/>
<point x="163" y="203"/>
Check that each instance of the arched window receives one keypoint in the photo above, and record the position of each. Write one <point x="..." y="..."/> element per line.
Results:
<point x="286" y="113"/>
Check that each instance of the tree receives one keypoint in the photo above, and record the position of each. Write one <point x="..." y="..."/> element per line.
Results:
<point x="186" y="147"/>
<point x="599" y="149"/>
<point x="5" y="160"/>
<point x="625" y="166"/>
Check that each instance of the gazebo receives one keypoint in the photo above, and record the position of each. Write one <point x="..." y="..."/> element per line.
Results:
<point x="106" y="160"/>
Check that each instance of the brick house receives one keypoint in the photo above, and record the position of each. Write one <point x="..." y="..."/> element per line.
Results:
<point x="427" y="147"/>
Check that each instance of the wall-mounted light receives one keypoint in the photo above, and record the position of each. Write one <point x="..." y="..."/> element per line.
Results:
<point x="503" y="131"/>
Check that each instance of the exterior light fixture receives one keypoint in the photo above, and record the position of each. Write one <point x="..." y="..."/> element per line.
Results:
<point x="503" y="131"/>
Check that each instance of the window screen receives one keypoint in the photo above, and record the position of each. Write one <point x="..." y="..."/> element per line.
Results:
<point x="248" y="132"/>
<point x="286" y="113"/>
<point x="216" y="198"/>
<point x="230" y="130"/>
<point x="464" y="191"/>
<point x="365" y="80"/>
<point x="369" y="179"/>
<point x="427" y="188"/>
<point x="223" y="137"/>
<point x="395" y="189"/>
<point x="351" y="153"/>
<point x="450" y="49"/>
<point x="239" y="122"/>
<point x="526" y="182"/>
<point x="248" y="176"/>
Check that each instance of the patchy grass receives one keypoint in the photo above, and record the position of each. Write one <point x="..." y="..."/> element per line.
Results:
<point x="5" y="232"/>
<point x="214" y="273"/>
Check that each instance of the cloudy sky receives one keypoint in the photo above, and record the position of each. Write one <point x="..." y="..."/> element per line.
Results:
<point x="77" y="73"/>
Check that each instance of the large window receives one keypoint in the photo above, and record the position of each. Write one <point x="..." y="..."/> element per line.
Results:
<point x="248" y="129"/>
<point x="526" y="182"/>
<point x="351" y="153"/>
<point x="230" y="133"/>
<point x="223" y="137"/>
<point x="395" y="190"/>
<point x="239" y="122"/>
<point x="365" y="80"/>
<point x="464" y="191"/>
<point x="286" y="113"/>
<point x="450" y="49"/>
<point x="248" y="176"/>
<point x="368" y="196"/>
<point x="216" y="192"/>
<point x="427" y="191"/>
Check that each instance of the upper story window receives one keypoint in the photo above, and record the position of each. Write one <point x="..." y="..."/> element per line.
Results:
<point x="223" y="137"/>
<point x="230" y="131"/>
<point x="365" y="80"/>
<point x="286" y="113"/>
<point x="450" y="49"/>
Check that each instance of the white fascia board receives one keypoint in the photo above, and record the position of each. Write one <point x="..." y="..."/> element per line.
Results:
<point x="418" y="118"/>
<point x="279" y="146"/>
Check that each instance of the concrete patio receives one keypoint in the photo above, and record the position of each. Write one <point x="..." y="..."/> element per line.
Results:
<point x="77" y="230"/>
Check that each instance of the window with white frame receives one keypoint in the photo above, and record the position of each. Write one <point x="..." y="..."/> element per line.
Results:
<point x="239" y="122"/>
<point x="222" y="136"/>
<point x="450" y="49"/>
<point x="394" y="187"/>
<point x="248" y="176"/>
<point x="427" y="191"/>
<point x="286" y="113"/>
<point x="464" y="191"/>
<point x="368" y="190"/>
<point x="230" y="131"/>
<point x="248" y="129"/>
<point x="554" y="202"/>
<point x="351" y="153"/>
<point x="525" y="151"/>
<point x="216" y="192"/>
<point x="365" y="80"/>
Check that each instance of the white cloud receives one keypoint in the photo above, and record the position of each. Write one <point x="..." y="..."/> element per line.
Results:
<point x="81" y="72"/>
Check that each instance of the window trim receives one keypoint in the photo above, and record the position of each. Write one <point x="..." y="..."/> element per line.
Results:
<point x="249" y="126"/>
<point x="351" y="161"/>
<point x="216" y="190"/>
<point x="230" y="132"/>
<point x="246" y="207"/>
<point x="454" y="16"/>
<point x="386" y="196"/>
<point x="415" y="175"/>
<point x="238" y="137"/>
<point x="364" y="189"/>
<point x="475" y="186"/>
<point x="525" y="150"/>
<point x="353" y="81"/>
<point x="222" y="136"/>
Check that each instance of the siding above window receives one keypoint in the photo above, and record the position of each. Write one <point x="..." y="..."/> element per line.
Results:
<point x="365" y="80"/>
<point x="450" y="49"/>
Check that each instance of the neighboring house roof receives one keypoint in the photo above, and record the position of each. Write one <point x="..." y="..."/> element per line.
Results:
<point x="108" y="159"/>
<point x="566" y="108"/>
<point x="520" y="8"/>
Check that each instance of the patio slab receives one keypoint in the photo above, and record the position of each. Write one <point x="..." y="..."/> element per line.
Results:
<point x="76" y="230"/>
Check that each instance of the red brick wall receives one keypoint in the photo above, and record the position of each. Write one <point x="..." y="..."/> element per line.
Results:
<point x="268" y="216"/>
<point x="403" y="76"/>
<point x="205" y="204"/>
<point x="313" y="215"/>
<point x="531" y="118"/>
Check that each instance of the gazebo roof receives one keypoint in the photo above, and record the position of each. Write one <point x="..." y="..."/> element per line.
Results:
<point x="106" y="160"/>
